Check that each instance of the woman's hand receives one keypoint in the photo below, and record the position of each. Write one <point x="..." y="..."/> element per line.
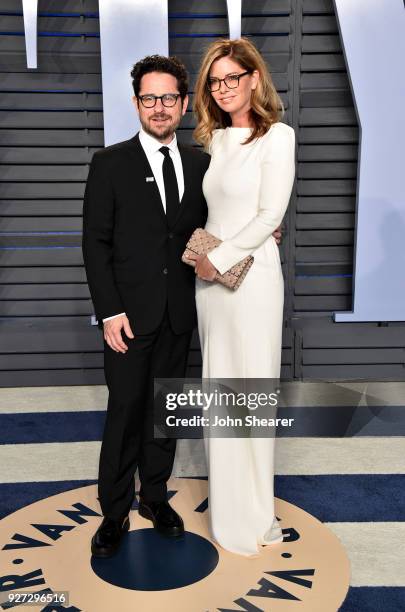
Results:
<point x="203" y="267"/>
<point x="205" y="270"/>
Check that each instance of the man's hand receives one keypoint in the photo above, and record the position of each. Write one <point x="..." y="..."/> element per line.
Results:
<point x="203" y="267"/>
<point x="278" y="234"/>
<point x="112" y="333"/>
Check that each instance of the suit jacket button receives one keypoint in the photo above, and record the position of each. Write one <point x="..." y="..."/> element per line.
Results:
<point x="165" y="270"/>
<point x="170" y="235"/>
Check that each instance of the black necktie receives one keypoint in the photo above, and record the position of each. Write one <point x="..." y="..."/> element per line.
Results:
<point x="171" y="187"/>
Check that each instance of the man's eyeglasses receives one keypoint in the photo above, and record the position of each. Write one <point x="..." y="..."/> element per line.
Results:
<point x="149" y="100"/>
<point x="231" y="81"/>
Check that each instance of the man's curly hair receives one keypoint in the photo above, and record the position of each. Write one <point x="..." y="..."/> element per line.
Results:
<point x="158" y="63"/>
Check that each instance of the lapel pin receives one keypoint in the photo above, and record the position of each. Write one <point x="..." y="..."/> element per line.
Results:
<point x="149" y="179"/>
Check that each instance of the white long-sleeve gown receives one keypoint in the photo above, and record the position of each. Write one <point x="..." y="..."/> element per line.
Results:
<point x="247" y="188"/>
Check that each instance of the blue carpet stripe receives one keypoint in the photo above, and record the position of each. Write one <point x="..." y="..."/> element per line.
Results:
<point x="32" y="427"/>
<point x="319" y="421"/>
<point x="346" y="498"/>
<point x="374" y="599"/>
<point x="16" y="495"/>
<point x="336" y="498"/>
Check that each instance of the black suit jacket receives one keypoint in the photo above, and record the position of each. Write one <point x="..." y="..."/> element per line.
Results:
<point x="131" y="255"/>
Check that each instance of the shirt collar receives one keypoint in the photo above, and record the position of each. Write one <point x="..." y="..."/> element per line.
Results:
<point x="151" y="145"/>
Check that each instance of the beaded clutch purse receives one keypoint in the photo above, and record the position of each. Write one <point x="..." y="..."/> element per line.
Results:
<point x="201" y="243"/>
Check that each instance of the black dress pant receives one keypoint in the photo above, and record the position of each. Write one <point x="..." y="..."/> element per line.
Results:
<point x="128" y="438"/>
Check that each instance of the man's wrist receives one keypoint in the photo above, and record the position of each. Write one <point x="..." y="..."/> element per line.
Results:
<point x="113" y="316"/>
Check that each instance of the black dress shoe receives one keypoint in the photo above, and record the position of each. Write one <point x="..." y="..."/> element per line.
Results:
<point x="108" y="536"/>
<point x="165" y="520"/>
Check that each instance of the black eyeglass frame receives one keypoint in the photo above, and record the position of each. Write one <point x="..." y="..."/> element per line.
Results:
<point x="217" y="80"/>
<point x="156" y="98"/>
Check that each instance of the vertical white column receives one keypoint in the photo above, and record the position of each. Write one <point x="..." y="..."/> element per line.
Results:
<point x="234" y="18"/>
<point x="129" y="30"/>
<point x="373" y="37"/>
<point x="30" y="13"/>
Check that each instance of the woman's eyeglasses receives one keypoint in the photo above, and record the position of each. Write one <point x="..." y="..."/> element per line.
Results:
<point x="149" y="100"/>
<point x="231" y="81"/>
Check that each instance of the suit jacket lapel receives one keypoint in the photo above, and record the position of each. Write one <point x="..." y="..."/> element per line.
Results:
<point x="139" y="155"/>
<point x="136" y="150"/>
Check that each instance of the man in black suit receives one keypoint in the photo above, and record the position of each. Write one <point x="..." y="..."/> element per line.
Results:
<point x="142" y="202"/>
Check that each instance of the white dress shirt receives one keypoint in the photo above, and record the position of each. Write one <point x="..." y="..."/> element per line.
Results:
<point x="151" y="147"/>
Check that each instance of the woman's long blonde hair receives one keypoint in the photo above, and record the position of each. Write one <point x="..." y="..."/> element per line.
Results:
<point x="266" y="105"/>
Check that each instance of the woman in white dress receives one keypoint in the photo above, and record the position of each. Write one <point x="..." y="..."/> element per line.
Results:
<point x="247" y="187"/>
